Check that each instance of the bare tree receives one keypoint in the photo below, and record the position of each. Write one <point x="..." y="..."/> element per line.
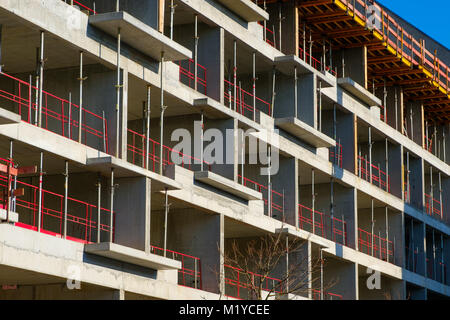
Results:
<point x="250" y="267"/>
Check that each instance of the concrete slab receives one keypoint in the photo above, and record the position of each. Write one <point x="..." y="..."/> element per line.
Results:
<point x="124" y="169"/>
<point x="215" y="110"/>
<point x="8" y="117"/>
<point x="13" y="216"/>
<point x="227" y="185"/>
<point x="133" y="256"/>
<point x="359" y="92"/>
<point x="305" y="132"/>
<point x="140" y="36"/>
<point x="246" y="9"/>
<point x="286" y="65"/>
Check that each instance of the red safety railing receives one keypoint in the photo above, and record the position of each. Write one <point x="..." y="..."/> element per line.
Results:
<point x="316" y="295"/>
<point x="276" y="199"/>
<point x="382" y="247"/>
<point x="190" y="274"/>
<point x="411" y="258"/>
<point x="428" y="144"/>
<point x="89" y="10"/>
<point x="187" y="75"/>
<point x="313" y="62"/>
<point x="433" y="207"/>
<point x="407" y="192"/>
<point x="137" y="154"/>
<point x="268" y="34"/>
<point x="82" y="224"/>
<point x="336" y="155"/>
<point x="244" y="101"/>
<point x="404" y="44"/>
<point x="441" y="270"/>
<point x="379" y="177"/>
<point x="322" y="224"/>
<point x="241" y="284"/>
<point x="58" y="115"/>
<point x="382" y="117"/>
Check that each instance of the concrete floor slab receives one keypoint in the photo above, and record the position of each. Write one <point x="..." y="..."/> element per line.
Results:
<point x="359" y="92"/>
<point x="140" y="36"/>
<point x="227" y="185"/>
<point x="124" y="169"/>
<point x="305" y="132"/>
<point x="8" y="117"/>
<point x="133" y="256"/>
<point x="246" y="9"/>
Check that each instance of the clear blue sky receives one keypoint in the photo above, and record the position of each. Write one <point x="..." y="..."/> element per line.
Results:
<point x="430" y="17"/>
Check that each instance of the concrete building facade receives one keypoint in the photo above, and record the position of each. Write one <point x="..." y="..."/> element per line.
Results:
<point x="99" y="202"/>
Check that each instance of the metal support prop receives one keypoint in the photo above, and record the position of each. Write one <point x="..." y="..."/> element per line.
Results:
<point x="332" y="207"/>
<point x="118" y="86"/>
<point x="313" y="202"/>
<point x="30" y="102"/>
<point x="287" y="263"/>
<point x="41" y="163"/>
<point x="254" y="86"/>
<point x="387" y="233"/>
<point x="80" y="116"/>
<point x="321" y="273"/>
<point x="269" y="185"/>
<point x="320" y="106"/>
<point x="66" y="195"/>
<point x="386" y="163"/>
<point x="163" y="109"/>
<point x="111" y="219"/>
<point x="196" y="38"/>
<point x="147" y="128"/>
<point x="370" y="154"/>
<point x="235" y="74"/>
<point x="442" y="259"/>
<point x="202" y="138"/>
<point x="69" y="124"/>
<point x="295" y="92"/>
<point x="41" y="78"/>
<point x="166" y="214"/>
<point x="385" y="93"/>
<point x="172" y="13"/>
<point x="431" y="192"/>
<point x="280" y="18"/>
<point x="274" y="93"/>
<point x="440" y="195"/>
<point x="396" y="108"/>
<point x="99" y="206"/>
<point x="434" y="256"/>
<point x="408" y="187"/>
<point x="372" y="224"/>
<point x="304" y="41"/>
<point x="310" y="47"/>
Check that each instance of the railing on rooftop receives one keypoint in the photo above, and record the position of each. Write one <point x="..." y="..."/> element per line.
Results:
<point x="187" y="75"/>
<point x="82" y="222"/>
<point x="190" y="274"/>
<point x="375" y="246"/>
<point x="137" y="154"/>
<point x="246" y="102"/>
<point x="276" y="199"/>
<point x="241" y="284"/>
<point x="379" y="177"/>
<point x="322" y="224"/>
<point x="58" y="115"/>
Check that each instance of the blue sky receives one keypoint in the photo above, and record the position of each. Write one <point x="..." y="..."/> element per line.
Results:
<point x="431" y="17"/>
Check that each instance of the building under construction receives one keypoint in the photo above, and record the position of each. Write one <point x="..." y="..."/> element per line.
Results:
<point x="95" y="193"/>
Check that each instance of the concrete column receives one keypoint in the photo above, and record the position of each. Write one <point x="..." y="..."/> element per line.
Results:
<point x="132" y="220"/>
<point x="290" y="28"/>
<point x="395" y="106"/>
<point x="355" y="64"/>
<point x="287" y="180"/>
<point x="346" y="132"/>
<point x="395" y="163"/>
<point x="307" y="94"/>
<point x="417" y="182"/>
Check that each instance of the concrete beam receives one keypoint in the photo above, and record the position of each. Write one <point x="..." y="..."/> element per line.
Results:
<point x="133" y="256"/>
<point x="227" y="185"/>
<point x="7" y="117"/>
<point x="305" y="132"/>
<point x="246" y="9"/>
<point x="359" y="92"/>
<point x="140" y="36"/>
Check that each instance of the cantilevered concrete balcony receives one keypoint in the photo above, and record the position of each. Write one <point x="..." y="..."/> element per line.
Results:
<point x="132" y="256"/>
<point x="246" y="9"/>
<point x="227" y="185"/>
<point x="305" y="132"/>
<point x="359" y="92"/>
<point x="287" y="65"/>
<point x="140" y="36"/>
